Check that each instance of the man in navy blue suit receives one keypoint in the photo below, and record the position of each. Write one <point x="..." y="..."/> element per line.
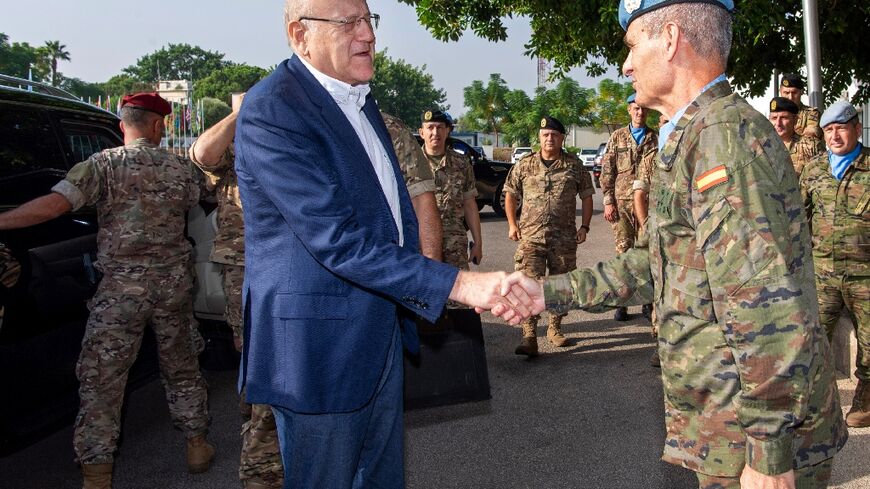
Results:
<point x="333" y="271"/>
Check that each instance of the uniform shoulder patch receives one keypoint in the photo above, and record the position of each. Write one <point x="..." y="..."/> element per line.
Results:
<point x="711" y="178"/>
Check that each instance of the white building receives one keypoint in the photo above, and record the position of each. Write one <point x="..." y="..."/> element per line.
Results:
<point x="178" y="91"/>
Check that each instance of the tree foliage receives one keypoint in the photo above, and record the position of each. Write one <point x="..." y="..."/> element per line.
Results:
<point x="221" y="83"/>
<point x="609" y="105"/>
<point x="768" y="36"/>
<point x="404" y="90"/>
<point x="567" y="101"/>
<point x="487" y="105"/>
<point x="18" y="58"/>
<point x="52" y="52"/>
<point x="214" y="110"/>
<point x="124" y="84"/>
<point x="176" y="62"/>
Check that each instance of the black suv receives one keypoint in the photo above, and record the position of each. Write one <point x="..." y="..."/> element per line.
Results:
<point x="489" y="175"/>
<point x="43" y="133"/>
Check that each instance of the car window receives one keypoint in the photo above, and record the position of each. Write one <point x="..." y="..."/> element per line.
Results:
<point x="85" y="140"/>
<point x="31" y="160"/>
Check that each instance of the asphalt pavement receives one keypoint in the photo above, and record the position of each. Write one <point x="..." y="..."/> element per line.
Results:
<point x="586" y="416"/>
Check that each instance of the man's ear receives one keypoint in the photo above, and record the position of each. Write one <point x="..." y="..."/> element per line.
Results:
<point x="296" y="34"/>
<point x="123" y="127"/>
<point x="672" y="35"/>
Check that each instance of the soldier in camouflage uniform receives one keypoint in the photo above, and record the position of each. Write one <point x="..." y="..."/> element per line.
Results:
<point x="547" y="183"/>
<point x="836" y="191"/>
<point x="421" y="185"/>
<point x="10" y="269"/>
<point x="260" y="464"/>
<point x="455" y="192"/>
<point x="807" y="123"/>
<point x="627" y="148"/>
<point x="142" y="194"/>
<point x="750" y="394"/>
<point x="783" y="114"/>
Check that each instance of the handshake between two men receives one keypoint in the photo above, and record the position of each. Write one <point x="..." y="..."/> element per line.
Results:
<point x="512" y="297"/>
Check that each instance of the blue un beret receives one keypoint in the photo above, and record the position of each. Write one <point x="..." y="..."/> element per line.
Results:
<point x="838" y="113"/>
<point x="630" y="98"/>
<point x="632" y="9"/>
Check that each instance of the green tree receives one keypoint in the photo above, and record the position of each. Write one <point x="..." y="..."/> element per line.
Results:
<point x="176" y="62"/>
<point x="19" y="58"/>
<point x="54" y="51"/>
<point x="403" y="90"/>
<point x="767" y="36"/>
<point x="123" y="84"/>
<point x="608" y="106"/>
<point x="222" y="82"/>
<point x="80" y="88"/>
<point x="487" y="105"/>
<point x="214" y="110"/>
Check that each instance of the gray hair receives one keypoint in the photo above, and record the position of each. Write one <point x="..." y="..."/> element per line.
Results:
<point x="293" y="11"/>
<point x="138" y="118"/>
<point x="707" y="27"/>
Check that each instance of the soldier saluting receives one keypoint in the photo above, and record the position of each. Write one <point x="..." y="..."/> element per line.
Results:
<point x="141" y="194"/>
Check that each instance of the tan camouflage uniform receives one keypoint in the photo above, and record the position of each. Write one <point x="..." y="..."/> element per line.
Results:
<point x="142" y="194"/>
<point x="746" y="368"/>
<point x="260" y="456"/>
<point x="548" y="223"/>
<point x="10" y="269"/>
<point x="618" y="169"/>
<point x="802" y="149"/>
<point x="808" y="117"/>
<point x="412" y="160"/>
<point x="839" y="214"/>
<point x="454" y="184"/>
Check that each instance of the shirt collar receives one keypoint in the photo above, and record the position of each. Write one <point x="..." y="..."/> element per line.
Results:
<point x="668" y="128"/>
<point x="343" y="93"/>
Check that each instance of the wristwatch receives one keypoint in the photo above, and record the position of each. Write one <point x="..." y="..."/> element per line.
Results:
<point x="585" y="227"/>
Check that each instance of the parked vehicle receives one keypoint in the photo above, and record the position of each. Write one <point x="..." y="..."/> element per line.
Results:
<point x="518" y="153"/>
<point x="587" y="157"/>
<point x="43" y="133"/>
<point x="489" y="175"/>
<point x="596" y="167"/>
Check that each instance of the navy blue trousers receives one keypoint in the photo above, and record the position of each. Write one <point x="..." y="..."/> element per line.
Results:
<point x="356" y="450"/>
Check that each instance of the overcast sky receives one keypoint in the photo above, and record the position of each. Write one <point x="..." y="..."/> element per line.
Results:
<point x="105" y="36"/>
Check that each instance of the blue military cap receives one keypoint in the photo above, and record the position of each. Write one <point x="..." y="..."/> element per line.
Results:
<point x="630" y="98"/>
<point x="632" y="9"/>
<point x="838" y="113"/>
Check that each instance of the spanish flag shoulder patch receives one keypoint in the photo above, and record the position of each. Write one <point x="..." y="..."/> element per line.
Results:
<point x="711" y="178"/>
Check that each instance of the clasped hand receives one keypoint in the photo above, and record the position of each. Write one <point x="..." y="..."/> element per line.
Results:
<point x="512" y="297"/>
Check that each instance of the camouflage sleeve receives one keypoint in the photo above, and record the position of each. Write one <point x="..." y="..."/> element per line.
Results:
<point x="622" y="281"/>
<point x="412" y="162"/>
<point x="747" y="214"/>
<point x="84" y="183"/>
<point x="469" y="190"/>
<point x="608" y="171"/>
<point x="585" y="187"/>
<point x="513" y="184"/>
<point x="215" y="173"/>
<point x="199" y="185"/>
<point x="643" y="177"/>
<point x="9" y="268"/>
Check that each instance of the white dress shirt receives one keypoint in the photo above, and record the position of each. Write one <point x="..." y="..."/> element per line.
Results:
<point x="351" y="100"/>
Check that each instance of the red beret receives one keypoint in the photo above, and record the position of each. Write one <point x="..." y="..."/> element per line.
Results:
<point x="148" y="101"/>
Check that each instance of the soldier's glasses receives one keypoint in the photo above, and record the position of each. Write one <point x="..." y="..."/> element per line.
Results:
<point x="350" y="24"/>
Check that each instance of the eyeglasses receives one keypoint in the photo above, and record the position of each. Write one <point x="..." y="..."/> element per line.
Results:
<point x="349" y="24"/>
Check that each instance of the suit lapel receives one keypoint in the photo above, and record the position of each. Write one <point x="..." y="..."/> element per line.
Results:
<point x="343" y="133"/>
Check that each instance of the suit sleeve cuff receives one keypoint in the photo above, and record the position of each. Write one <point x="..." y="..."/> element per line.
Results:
<point x="770" y="457"/>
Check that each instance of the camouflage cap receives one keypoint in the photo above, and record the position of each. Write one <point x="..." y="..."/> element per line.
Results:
<point x="839" y="112"/>
<point x="632" y="9"/>
<point x="791" y="80"/>
<point x="782" y="104"/>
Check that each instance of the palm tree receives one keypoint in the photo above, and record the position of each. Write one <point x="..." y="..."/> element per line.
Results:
<point x="55" y="51"/>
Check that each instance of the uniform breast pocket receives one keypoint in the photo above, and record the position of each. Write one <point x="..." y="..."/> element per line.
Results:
<point x="858" y="197"/>
<point x="624" y="159"/>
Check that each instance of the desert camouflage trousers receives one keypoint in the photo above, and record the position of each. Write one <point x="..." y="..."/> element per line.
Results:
<point x="535" y="260"/>
<point x="812" y="477"/>
<point x="123" y="305"/>
<point x="260" y="459"/>
<point x="852" y="294"/>
<point x="625" y="229"/>
<point x="455" y="251"/>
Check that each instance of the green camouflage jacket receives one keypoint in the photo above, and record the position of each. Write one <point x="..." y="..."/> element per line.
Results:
<point x="412" y="161"/>
<point x="142" y="195"/>
<point x="229" y="241"/>
<point x="839" y="214"/>
<point x="454" y="184"/>
<point x="621" y="161"/>
<point x="808" y="117"/>
<point x="747" y="371"/>
<point x="548" y="196"/>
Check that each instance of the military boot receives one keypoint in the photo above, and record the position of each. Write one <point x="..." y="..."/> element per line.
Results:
<point x="621" y="314"/>
<point x="529" y="345"/>
<point x="554" y="332"/>
<point x="97" y="476"/>
<point x="199" y="454"/>
<point x="859" y="415"/>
